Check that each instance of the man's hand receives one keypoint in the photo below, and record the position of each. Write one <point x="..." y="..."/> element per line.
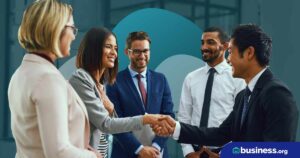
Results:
<point x="193" y="155"/>
<point x="210" y="153"/>
<point x="151" y="119"/>
<point x="165" y="126"/>
<point x="148" y="152"/>
<point x="203" y="149"/>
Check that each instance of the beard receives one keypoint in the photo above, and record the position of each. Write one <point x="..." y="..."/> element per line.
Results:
<point x="209" y="55"/>
<point x="139" y="63"/>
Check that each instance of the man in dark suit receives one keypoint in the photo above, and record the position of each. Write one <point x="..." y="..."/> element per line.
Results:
<point x="137" y="91"/>
<point x="264" y="111"/>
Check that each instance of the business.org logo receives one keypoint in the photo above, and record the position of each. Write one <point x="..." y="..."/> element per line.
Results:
<point x="257" y="150"/>
<point x="236" y="150"/>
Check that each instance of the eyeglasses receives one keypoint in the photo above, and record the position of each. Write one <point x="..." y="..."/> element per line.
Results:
<point x="75" y="30"/>
<point x="138" y="52"/>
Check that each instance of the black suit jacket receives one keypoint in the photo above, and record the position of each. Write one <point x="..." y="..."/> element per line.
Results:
<point x="272" y="116"/>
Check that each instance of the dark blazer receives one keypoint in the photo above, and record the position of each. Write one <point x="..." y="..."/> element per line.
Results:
<point x="127" y="102"/>
<point x="272" y="116"/>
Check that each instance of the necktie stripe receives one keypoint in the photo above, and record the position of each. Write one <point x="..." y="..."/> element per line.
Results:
<point x="246" y="104"/>
<point x="142" y="88"/>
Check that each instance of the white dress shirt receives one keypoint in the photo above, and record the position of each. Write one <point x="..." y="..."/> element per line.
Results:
<point x="224" y="90"/>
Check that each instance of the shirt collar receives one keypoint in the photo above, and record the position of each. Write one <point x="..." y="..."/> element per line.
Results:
<point x="219" y="68"/>
<point x="253" y="81"/>
<point x="134" y="73"/>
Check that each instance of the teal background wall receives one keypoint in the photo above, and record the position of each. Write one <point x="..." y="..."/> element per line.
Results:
<point x="278" y="18"/>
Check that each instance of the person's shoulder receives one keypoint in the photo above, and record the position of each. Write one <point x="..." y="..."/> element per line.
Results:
<point x="276" y="94"/>
<point x="82" y="75"/>
<point x="122" y="73"/>
<point x="126" y="70"/>
<point x="156" y="74"/>
<point x="196" y="72"/>
<point x="50" y="78"/>
<point x="45" y="73"/>
<point x="274" y="87"/>
<point x="276" y="83"/>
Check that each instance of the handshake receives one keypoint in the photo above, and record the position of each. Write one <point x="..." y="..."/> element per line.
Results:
<point x="162" y="125"/>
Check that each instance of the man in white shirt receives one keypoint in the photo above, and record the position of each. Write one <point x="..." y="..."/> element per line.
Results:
<point x="265" y="111"/>
<point x="207" y="101"/>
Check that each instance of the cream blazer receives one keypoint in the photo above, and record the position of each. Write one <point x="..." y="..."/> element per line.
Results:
<point x="48" y="119"/>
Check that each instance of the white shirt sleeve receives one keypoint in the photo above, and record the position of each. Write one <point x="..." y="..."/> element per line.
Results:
<point x="186" y="103"/>
<point x="51" y="101"/>
<point x="185" y="111"/>
<point x="176" y="133"/>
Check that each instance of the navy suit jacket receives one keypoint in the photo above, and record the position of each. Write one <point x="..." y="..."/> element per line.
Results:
<point x="127" y="102"/>
<point x="272" y="116"/>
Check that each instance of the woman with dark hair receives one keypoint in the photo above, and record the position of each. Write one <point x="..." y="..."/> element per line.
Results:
<point x="97" y="63"/>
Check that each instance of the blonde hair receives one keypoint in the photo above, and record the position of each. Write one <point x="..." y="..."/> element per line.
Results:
<point x="42" y="25"/>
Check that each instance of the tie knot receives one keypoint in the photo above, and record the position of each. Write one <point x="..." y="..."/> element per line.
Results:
<point x="139" y="76"/>
<point x="247" y="92"/>
<point x="212" y="70"/>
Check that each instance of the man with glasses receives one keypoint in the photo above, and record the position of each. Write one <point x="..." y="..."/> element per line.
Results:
<point x="138" y="91"/>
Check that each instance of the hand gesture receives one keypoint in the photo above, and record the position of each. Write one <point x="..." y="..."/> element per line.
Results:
<point x="165" y="127"/>
<point x="148" y="152"/>
<point x="210" y="153"/>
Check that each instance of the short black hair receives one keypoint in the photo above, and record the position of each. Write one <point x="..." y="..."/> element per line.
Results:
<point x="248" y="35"/>
<point x="222" y="34"/>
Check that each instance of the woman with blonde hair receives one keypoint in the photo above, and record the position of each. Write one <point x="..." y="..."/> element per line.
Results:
<point x="48" y="118"/>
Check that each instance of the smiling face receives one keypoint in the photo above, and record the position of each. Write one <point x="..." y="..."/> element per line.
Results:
<point x="239" y="63"/>
<point x="212" y="48"/>
<point x="139" y="61"/>
<point x="67" y="37"/>
<point x="110" y="49"/>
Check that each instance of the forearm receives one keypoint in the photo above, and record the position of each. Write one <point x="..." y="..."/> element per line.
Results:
<point x="119" y="125"/>
<point x="202" y="136"/>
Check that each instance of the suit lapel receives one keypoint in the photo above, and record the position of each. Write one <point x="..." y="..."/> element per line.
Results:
<point x="239" y="101"/>
<point x="239" y="110"/>
<point x="129" y="83"/>
<point x="264" y="78"/>
<point x="253" y="99"/>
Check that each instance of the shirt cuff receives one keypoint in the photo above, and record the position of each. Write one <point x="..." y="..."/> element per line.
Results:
<point x="155" y="145"/>
<point x="176" y="131"/>
<point x="139" y="149"/>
